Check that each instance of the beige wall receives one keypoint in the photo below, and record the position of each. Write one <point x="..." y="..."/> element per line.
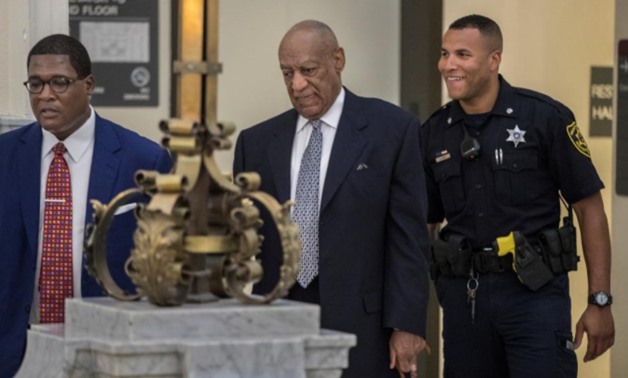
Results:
<point x="549" y="46"/>
<point x="619" y="362"/>
<point x="250" y="88"/>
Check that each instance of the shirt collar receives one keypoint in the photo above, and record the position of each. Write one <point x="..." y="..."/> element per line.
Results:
<point x="332" y="117"/>
<point x="504" y="105"/>
<point x="77" y="143"/>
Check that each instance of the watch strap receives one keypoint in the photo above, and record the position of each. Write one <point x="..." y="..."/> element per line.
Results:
<point x="593" y="298"/>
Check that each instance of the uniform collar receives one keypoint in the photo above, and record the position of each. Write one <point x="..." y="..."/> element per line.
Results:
<point x="504" y="105"/>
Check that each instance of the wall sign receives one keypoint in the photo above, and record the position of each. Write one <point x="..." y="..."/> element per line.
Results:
<point x="121" y="37"/>
<point x="601" y="99"/>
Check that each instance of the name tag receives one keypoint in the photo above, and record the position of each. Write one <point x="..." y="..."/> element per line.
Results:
<point x="442" y="156"/>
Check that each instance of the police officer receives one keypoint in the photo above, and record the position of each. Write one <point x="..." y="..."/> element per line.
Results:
<point x="498" y="159"/>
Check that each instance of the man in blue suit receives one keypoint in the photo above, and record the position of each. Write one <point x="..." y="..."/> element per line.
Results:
<point x="102" y="158"/>
<point x="370" y="270"/>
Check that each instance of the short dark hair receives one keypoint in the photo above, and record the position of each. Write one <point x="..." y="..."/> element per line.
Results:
<point x="61" y="44"/>
<point x="485" y="25"/>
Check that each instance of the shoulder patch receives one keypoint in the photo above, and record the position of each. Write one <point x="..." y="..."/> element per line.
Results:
<point x="577" y="139"/>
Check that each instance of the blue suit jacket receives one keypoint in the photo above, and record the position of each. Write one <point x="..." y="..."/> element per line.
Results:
<point x="118" y="153"/>
<point x="372" y="232"/>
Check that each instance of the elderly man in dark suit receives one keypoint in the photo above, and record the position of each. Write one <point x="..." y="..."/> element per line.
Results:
<point x="49" y="171"/>
<point x="353" y="166"/>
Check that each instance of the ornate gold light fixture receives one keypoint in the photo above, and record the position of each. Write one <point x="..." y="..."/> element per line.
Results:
<point x="197" y="238"/>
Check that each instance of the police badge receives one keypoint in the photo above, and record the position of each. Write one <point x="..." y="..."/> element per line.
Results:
<point x="516" y="136"/>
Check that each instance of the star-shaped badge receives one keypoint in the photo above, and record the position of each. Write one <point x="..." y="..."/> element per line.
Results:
<point x="516" y="136"/>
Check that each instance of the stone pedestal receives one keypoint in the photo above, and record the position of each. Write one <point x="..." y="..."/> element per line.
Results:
<point x="8" y="123"/>
<point x="103" y="337"/>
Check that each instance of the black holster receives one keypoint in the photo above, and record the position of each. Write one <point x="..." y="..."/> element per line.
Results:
<point x="529" y="265"/>
<point x="451" y="257"/>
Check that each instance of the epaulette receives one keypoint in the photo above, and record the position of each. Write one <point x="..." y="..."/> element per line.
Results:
<point x="560" y="107"/>
<point x="567" y="116"/>
<point x="438" y="112"/>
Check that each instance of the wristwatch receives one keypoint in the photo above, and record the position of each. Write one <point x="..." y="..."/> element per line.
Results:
<point x="601" y="299"/>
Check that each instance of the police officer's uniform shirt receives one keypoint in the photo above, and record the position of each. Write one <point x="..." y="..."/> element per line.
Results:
<point x="530" y="149"/>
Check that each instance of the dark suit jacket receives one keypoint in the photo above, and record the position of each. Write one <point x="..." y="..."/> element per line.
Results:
<point x="373" y="239"/>
<point x="118" y="153"/>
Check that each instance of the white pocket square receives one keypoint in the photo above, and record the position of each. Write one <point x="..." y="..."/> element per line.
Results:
<point x="125" y="208"/>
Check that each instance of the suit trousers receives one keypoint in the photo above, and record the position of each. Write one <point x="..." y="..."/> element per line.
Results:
<point x="310" y="294"/>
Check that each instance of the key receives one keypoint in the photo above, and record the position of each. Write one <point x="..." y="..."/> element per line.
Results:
<point x="472" y="287"/>
<point x="471" y="295"/>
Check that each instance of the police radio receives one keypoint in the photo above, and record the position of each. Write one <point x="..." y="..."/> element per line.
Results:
<point x="469" y="147"/>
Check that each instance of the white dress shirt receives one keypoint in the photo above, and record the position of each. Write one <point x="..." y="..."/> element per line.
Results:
<point x="80" y="150"/>
<point x="302" y="137"/>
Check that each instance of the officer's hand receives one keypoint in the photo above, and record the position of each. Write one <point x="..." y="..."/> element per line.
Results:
<point x="598" y="323"/>
<point x="404" y="349"/>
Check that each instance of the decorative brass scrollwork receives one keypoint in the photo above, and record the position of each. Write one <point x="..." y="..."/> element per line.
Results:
<point x="197" y="238"/>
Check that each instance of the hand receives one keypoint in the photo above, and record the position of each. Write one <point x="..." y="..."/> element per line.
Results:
<point x="598" y="323"/>
<point x="404" y="349"/>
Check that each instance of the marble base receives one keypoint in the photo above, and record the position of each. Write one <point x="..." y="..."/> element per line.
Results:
<point x="107" y="338"/>
<point x="8" y="123"/>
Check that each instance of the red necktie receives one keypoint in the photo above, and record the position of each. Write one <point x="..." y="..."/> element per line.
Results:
<point x="55" y="279"/>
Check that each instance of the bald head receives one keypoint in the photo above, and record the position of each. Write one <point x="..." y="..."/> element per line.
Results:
<point x="325" y="37"/>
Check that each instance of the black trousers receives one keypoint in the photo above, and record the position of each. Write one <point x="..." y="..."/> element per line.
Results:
<point x="516" y="332"/>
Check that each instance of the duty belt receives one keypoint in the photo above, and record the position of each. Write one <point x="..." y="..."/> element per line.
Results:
<point x="486" y="260"/>
<point x="553" y="252"/>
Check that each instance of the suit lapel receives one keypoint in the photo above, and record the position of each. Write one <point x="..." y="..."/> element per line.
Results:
<point x="280" y="155"/>
<point x="105" y="165"/>
<point x="29" y="179"/>
<point x="347" y="147"/>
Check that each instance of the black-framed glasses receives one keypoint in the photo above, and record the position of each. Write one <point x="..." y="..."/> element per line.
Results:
<point x="58" y="84"/>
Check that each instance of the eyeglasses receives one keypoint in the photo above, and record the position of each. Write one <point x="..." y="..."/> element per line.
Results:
<point x="58" y="84"/>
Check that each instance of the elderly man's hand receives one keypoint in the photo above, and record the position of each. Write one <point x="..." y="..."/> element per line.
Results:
<point x="404" y="349"/>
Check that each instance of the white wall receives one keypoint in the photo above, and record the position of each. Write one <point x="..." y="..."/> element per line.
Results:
<point x="22" y="23"/>
<point x="13" y="50"/>
<point x="549" y="46"/>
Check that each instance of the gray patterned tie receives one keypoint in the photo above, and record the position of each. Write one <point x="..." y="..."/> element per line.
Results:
<point x="306" y="207"/>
